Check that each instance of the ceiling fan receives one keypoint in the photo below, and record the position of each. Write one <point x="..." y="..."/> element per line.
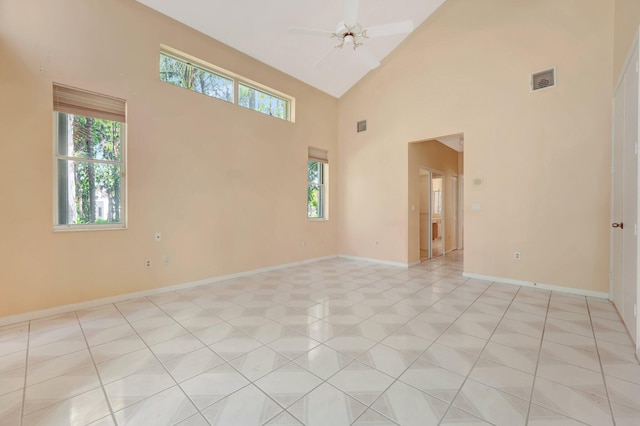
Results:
<point x="350" y="33"/>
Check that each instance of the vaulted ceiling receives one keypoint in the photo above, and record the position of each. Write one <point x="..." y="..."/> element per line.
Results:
<point x="260" y="29"/>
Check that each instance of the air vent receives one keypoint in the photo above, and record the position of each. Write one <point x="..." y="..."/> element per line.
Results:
<point x="543" y="79"/>
<point x="362" y="126"/>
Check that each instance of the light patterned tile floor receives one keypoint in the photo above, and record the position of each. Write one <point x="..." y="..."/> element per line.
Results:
<point x="334" y="342"/>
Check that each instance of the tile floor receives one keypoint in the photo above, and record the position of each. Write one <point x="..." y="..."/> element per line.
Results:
<point x="335" y="342"/>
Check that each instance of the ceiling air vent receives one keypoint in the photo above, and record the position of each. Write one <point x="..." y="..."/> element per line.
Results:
<point x="543" y="79"/>
<point x="362" y="126"/>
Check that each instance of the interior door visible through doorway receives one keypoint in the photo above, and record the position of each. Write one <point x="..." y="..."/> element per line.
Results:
<point x="431" y="214"/>
<point x="624" y="211"/>
<point x="454" y="211"/>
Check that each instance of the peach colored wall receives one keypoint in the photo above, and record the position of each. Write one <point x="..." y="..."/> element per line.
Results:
<point x="226" y="186"/>
<point x="544" y="156"/>
<point x="627" y="20"/>
<point x="435" y="156"/>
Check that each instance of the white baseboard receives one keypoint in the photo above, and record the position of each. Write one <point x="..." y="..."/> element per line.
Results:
<point x="381" y="262"/>
<point x="12" y="319"/>
<point x="577" y="291"/>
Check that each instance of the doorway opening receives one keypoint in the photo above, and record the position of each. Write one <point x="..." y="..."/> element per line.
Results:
<point x="435" y="198"/>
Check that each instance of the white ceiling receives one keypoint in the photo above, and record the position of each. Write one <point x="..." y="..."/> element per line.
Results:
<point x="259" y="28"/>
<point x="455" y="142"/>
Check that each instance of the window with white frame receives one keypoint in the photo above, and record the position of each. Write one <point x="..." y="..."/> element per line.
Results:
<point x="317" y="174"/>
<point x="262" y="101"/>
<point x="190" y="73"/>
<point x="183" y="74"/>
<point x="89" y="156"/>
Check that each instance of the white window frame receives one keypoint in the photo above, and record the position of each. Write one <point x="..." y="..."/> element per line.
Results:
<point x="57" y="227"/>
<point x="185" y="57"/>
<point x="319" y="156"/>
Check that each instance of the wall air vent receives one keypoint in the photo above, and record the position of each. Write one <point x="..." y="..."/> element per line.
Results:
<point x="543" y="79"/>
<point x="362" y="126"/>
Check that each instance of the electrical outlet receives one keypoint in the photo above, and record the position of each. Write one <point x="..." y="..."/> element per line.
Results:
<point x="147" y="263"/>
<point x="157" y="237"/>
<point x="516" y="255"/>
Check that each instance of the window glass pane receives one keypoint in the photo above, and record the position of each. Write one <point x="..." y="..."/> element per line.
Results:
<point x="87" y="137"/>
<point x="263" y="102"/>
<point x="88" y="193"/>
<point x="314" y="171"/>
<point x="314" y="205"/>
<point x="194" y="78"/>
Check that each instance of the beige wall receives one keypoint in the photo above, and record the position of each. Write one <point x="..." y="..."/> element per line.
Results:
<point x="226" y="186"/>
<point x="627" y="20"/>
<point x="544" y="156"/>
<point x="437" y="157"/>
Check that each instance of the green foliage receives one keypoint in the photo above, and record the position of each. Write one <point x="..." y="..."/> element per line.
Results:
<point x="95" y="139"/>
<point x="314" y="191"/>
<point x="194" y="78"/>
<point x="265" y="103"/>
<point x="189" y="76"/>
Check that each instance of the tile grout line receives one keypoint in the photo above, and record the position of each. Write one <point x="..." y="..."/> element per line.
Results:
<point x="228" y="363"/>
<point x="177" y="384"/>
<point x="535" y="371"/>
<point x="604" y="377"/>
<point x="95" y="367"/>
<point x="396" y="379"/>
<point x="135" y="372"/>
<point x="479" y="354"/>
<point x="26" y="371"/>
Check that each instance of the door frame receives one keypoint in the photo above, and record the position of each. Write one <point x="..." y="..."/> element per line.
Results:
<point x="628" y="62"/>
<point x="431" y="173"/>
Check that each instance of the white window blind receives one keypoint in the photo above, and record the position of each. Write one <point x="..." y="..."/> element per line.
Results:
<point x="320" y="155"/>
<point x="80" y="102"/>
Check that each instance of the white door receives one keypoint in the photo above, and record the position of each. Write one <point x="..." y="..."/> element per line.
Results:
<point x="617" y="288"/>
<point x="437" y="215"/>
<point x="454" y="211"/>
<point x="461" y="213"/>
<point x="624" y="240"/>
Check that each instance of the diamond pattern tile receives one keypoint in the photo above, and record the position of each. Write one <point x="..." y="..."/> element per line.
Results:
<point x="332" y="342"/>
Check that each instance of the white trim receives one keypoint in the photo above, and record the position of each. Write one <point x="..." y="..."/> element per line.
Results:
<point x="11" y="319"/>
<point x="570" y="290"/>
<point x="70" y="227"/>
<point x="382" y="262"/>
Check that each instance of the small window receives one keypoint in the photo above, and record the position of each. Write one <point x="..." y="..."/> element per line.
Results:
<point x="184" y="74"/>
<point x="317" y="171"/>
<point x="89" y="160"/>
<point x="191" y="73"/>
<point x="266" y="103"/>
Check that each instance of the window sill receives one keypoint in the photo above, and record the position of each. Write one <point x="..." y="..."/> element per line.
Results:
<point x="84" y="228"/>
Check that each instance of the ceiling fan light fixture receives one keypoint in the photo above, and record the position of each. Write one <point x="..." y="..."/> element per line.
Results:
<point x="349" y="39"/>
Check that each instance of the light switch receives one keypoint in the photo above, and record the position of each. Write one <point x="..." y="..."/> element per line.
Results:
<point x="475" y="207"/>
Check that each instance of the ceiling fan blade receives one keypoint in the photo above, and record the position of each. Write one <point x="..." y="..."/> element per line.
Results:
<point x="350" y="12"/>
<point x="323" y="57"/>
<point x="367" y="57"/>
<point x="401" y="27"/>
<point x="311" y="32"/>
